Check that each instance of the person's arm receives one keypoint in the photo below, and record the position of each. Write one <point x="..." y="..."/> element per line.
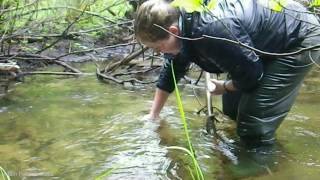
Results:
<point x="159" y="100"/>
<point x="165" y="83"/>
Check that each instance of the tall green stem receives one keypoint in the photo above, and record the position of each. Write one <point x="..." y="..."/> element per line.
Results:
<point x="185" y="125"/>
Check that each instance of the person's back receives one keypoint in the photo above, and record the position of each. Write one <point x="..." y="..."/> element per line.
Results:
<point x="259" y="92"/>
<point x="269" y="30"/>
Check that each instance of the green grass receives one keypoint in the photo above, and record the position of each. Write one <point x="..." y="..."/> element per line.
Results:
<point x="189" y="151"/>
<point x="4" y="174"/>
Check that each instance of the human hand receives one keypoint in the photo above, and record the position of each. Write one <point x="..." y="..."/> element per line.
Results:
<point x="151" y="122"/>
<point x="218" y="84"/>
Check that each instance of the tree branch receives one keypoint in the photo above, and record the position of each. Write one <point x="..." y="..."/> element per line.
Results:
<point x="65" y="32"/>
<point x="64" y="7"/>
<point x="131" y="80"/>
<point x="126" y="60"/>
<point x="134" y="72"/>
<point x="53" y="73"/>
<point x="40" y="57"/>
<point x="244" y="45"/>
<point x="96" y="49"/>
<point x="3" y="11"/>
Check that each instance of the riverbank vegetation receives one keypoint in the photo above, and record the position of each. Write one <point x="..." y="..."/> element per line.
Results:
<point x="35" y="33"/>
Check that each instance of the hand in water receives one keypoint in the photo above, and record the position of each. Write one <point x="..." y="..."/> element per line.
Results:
<point x="150" y="117"/>
<point x="150" y="123"/>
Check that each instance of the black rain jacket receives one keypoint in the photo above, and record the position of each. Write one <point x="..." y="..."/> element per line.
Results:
<point x="250" y="22"/>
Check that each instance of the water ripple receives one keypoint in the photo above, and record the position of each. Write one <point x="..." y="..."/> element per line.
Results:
<point x="137" y="153"/>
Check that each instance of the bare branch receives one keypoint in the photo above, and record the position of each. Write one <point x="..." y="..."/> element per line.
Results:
<point x="96" y="49"/>
<point x="135" y="72"/>
<point x="73" y="34"/>
<point x="17" y="8"/>
<point x="53" y="73"/>
<point x="65" y="65"/>
<point x="65" y="32"/>
<point x="119" y="81"/>
<point x="64" y="7"/>
<point x="39" y="57"/>
<point x="126" y="60"/>
<point x="244" y="45"/>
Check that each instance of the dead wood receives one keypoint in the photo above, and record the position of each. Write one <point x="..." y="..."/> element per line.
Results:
<point x="65" y="65"/>
<point x="96" y="49"/>
<point x="53" y="73"/>
<point x="124" y="61"/>
<point x="33" y="57"/>
<point x="107" y="78"/>
<point x="135" y="72"/>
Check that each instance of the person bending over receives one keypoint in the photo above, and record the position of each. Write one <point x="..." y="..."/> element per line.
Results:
<point x="260" y="88"/>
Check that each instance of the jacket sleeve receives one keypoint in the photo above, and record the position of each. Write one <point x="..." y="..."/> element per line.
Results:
<point x="180" y="67"/>
<point x="243" y="65"/>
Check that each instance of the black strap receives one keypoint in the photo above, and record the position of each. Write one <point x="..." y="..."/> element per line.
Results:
<point x="188" y="19"/>
<point x="187" y="23"/>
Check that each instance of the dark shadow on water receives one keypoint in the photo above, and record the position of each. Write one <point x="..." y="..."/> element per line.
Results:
<point x="248" y="162"/>
<point x="237" y="161"/>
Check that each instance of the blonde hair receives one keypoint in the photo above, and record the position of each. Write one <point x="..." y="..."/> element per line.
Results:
<point x="152" y="12"/>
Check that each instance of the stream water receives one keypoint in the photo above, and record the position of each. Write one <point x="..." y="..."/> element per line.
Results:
<point x="79" y="128"/>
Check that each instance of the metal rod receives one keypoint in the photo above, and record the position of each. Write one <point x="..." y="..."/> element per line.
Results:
<point x="208" y="93"/>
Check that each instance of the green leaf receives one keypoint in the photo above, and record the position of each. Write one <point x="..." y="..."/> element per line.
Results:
<point x="189" y="5"/>
<point x="315" y="3"/>
<point x="275" y="5"/>
<point x="212" y="4"/>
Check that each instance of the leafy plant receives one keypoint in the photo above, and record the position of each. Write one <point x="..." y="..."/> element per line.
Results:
<point x="194" y="160"/>
<point x="315" y="3"/>
<point x="193" y="5"/>
<point x="275" y="5"/>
